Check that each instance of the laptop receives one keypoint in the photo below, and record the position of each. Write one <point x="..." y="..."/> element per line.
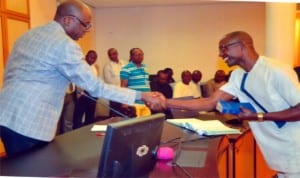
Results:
<point x="129" y="148"/>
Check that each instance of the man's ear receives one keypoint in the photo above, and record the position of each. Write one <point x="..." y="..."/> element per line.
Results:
<point x="66" y="21"/>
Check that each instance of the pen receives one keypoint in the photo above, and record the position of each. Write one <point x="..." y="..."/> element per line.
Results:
<point x="100" y="134"/>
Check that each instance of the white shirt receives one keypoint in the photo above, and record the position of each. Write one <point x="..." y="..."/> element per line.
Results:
<point x="94" y="70"/>
<point x="182" y="90"/>
<point x="275" y="86"/>
<point x="111" y="72"/>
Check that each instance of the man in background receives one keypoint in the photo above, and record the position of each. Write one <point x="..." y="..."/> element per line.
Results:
<point x="111" y="74"/>
<point x="85" y="104"/>
<point x="135" y="76"/>
<point x="196" y="78"/>
<point x="162" y="85"/>
<point x="185" y="87"/>
<point x="212" y="85"/>
<point x="111" y="70"/>
<point x="170" y="73"/>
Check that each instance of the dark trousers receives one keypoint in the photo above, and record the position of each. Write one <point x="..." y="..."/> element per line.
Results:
<point x="84" y="106"/>
<point x="114" y="106"/>
<point x="15" y="143"/>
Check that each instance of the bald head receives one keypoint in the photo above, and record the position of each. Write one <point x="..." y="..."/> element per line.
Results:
<point x="75" y="17"/>
<point x="241" y="36"/>
<point x="220" y="76"/>
<point x="113" y="54"/>
<point x="186" y="77"/>
<point x="196" y="76"/>
<point x="68" y="7"/>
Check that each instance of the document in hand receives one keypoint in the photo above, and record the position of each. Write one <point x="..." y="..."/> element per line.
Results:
<point x="207" y="127"/>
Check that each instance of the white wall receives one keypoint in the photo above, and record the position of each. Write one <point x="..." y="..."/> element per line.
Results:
<point x="180" y="37"/>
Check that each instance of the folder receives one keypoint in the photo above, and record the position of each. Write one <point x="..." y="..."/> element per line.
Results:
<point x="230" y="107"/>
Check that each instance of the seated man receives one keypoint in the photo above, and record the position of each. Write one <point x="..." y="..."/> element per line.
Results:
<point x="215" y="83"/>
<point x="185" y="87"/>
<point x="196" y="78"/>
<point x="162" y="85"/>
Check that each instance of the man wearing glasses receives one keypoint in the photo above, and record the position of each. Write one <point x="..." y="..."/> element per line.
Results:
<point x="41" y="65"/>
<point x="274" y="91"/>
<point x="134" y="75"/>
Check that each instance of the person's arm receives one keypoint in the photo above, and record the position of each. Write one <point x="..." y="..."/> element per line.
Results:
<point x="291" y="114"/>
<point x="202" y="104"/>
<point x="154" y="100"/>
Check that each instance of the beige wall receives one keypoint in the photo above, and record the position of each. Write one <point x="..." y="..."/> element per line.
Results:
<point x="181" y="37"/>
<point x="41" y="12"/>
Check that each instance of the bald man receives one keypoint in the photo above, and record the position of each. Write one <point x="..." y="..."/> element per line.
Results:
<point x="41" y="65"/>
<point x="111" y="70"/>
<point x="273" y="89"/>
<point x="186" y="87"/>
<point x="111" y="74"/>
<point x="215" y="83"/>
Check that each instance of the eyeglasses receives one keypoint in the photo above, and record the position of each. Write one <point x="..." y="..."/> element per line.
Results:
<point x="138" y="54"/>
<point x="86" y="26"/>
<point x="225" y="47"/>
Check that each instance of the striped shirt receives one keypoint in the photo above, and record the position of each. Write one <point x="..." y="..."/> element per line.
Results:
<point x="137" y="77"/>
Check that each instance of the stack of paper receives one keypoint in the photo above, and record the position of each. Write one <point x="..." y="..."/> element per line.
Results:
<point x="207" y="127"/>
<point x="97" y="128"/>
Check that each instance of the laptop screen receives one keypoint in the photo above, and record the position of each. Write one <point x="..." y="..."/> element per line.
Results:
<point x="129" y="148"/>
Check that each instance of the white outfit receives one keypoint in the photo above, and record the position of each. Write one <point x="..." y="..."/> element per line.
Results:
<point x="275" y="86"/>
<point x="111" y="72"/>
<point x="94" y="70"/>
<point x="182" y="90"/>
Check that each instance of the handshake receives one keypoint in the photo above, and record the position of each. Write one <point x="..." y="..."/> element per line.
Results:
<point x="154" y="100"/>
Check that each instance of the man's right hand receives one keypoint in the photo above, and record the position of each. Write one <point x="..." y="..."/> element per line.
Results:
<point x="154" y="100"/>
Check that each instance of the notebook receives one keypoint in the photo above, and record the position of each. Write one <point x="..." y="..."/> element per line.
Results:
<point x="204" y="127"/>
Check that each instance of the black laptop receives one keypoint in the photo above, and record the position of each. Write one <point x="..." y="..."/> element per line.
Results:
<point x="129" y="148"/>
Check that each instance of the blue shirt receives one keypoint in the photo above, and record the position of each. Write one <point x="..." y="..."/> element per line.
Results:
<point x="42" y="63"/>
<point x="137" y="77"/>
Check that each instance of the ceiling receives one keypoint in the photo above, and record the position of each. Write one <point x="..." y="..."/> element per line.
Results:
<point x="135" y="3"/>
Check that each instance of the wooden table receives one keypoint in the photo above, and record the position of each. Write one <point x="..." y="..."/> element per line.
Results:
<point x="77" y="153"/>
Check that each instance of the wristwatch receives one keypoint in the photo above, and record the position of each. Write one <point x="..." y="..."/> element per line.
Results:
<point x="260" y="116"/>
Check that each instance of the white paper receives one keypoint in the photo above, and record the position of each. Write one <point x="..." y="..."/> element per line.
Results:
<point x="204" y="127"/>
<point x="97" y="128"/>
